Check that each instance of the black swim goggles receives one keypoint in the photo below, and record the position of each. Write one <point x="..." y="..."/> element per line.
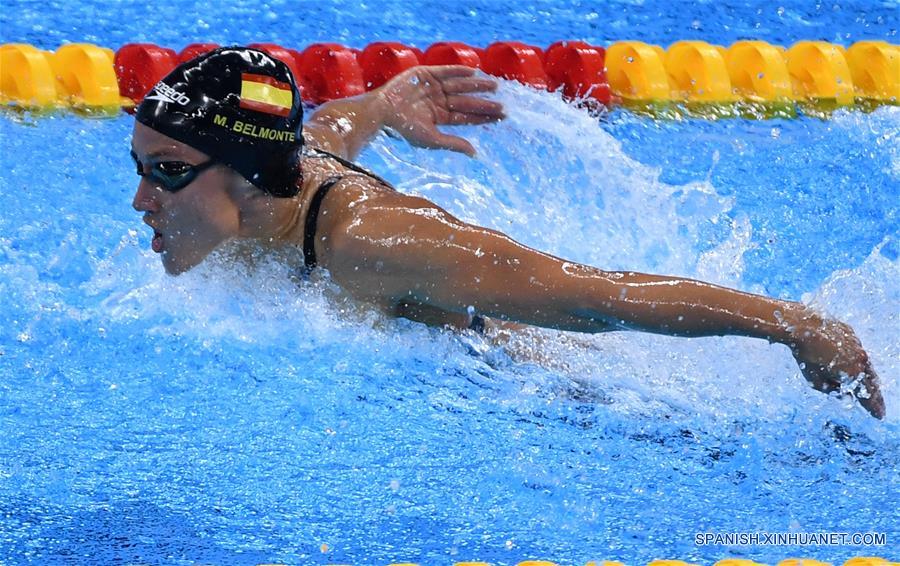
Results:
<point x="172" y="175"/>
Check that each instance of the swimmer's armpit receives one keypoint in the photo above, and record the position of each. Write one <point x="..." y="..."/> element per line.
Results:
<point x="412" y="104"/>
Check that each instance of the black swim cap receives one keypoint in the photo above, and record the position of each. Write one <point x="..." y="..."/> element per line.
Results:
<point x="241" y="107"/>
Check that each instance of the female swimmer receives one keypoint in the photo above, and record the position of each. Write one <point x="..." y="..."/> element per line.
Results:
<point x="223" y="154"/>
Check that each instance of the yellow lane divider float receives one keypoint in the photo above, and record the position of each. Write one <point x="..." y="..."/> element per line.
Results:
<point x="819" y="70"/>
<point x="875" y="68"/>
<point x="689" y="75"/>
<point x="754" y="75"/>
<point x="26" y="76"/>
<point x="636" y="72"/>
<point x="697" y="72"/>
<point x="759" y="72"/>
<point x="79" y="76"/>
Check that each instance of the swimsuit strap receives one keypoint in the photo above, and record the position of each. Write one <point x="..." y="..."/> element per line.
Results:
<point x="309" y="231"/>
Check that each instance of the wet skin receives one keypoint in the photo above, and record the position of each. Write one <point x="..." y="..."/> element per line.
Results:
<point x="412" y="258"/>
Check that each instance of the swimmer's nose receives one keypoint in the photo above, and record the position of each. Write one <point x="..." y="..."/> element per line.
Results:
<point x="146" y="199"/>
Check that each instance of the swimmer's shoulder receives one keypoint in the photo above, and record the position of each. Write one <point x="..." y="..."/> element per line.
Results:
<point x="347" y="193"/>
<point x="359" y="213"/>
<point x="346" y="198"/>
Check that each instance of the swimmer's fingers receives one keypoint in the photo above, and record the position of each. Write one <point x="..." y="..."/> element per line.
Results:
<point x="423" y="135"/>
<point x="439" y="140"/>
<point x="469" y="84"/>
<point x="865" y="385"/>
<point x="473" y="110"/>
<point x="833" y="360"/>
<point x="459" y="119"/>
<point x="868" y="393"/>
<point x="866" y="390"/>
<point x="870" y="397"/>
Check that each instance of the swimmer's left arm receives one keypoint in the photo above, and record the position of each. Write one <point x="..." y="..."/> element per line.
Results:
<point x="412" y="104"/>
<point x="397" y="247"/>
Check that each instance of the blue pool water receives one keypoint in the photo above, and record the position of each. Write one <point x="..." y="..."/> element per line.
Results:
<point x="231" y="417"/>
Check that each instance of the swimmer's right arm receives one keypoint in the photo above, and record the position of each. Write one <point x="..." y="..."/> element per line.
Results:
<point x="398" y="247"/>
<point x="411" y="104"/>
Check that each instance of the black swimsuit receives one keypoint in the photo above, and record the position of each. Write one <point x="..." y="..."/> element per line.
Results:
<point x="312" y="217"/>
<point x="309" y="230"/>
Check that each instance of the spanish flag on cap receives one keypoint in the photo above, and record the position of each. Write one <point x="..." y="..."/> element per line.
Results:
<point x="265" y="94"/>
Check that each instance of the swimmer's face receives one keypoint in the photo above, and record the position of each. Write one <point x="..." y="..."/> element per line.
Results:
<point x="192" y="222"/>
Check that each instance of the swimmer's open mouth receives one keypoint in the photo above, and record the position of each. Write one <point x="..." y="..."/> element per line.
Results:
<point x="157" y="243"/>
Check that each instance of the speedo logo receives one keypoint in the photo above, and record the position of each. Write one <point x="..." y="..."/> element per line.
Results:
<point x="165" y="93"/>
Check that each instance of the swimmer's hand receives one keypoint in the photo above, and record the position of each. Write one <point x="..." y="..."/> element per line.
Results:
<point x="832" y="359"/>
<point x="419" y="99"/>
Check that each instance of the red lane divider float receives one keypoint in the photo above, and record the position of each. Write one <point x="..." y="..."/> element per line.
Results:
<point x="383" y="60"/>
<point x="579" y="68"/>
<point x="195" y="50"/>
<point x="515" y="61"/>
<point x="452" y="53"/>
<point x="331" y="71"/>
<point x="139" y="66"/>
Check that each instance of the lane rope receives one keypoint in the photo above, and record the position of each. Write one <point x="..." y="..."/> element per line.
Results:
<point x="749" y="78"/>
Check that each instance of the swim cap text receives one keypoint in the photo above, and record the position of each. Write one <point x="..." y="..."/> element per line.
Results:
<point x="165" y="93"/>
<point x="254" y="131"/>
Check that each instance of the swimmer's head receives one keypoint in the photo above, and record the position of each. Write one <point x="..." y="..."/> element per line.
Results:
<point x="217" y="145"/>
<point x="239" y="106"/>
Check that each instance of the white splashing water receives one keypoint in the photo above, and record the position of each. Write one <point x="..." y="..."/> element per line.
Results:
<point x="548" y="172"/>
